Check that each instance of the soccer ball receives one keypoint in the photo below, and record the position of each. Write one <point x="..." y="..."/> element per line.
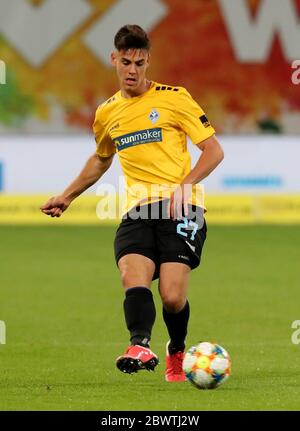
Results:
<point x="206" y="365"/>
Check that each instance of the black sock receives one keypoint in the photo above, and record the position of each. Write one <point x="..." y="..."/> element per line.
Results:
<point x="177" y="327"/>
<point x="140" y="314"/>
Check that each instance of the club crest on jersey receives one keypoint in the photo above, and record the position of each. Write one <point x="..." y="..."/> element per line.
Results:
<point x="153" y="116"/>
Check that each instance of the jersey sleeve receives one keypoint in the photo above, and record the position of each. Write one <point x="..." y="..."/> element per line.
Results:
<point x="192" y="119"/>
<point x="104" y="144"/>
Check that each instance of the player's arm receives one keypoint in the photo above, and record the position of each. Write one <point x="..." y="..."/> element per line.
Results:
<point x="193" y="121"/>
<point x="212" y="154"/>
<point x="93" y="170"/>
<point x="211" y="157"/>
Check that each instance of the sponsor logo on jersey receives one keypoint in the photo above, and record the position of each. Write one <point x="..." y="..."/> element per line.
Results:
<point x="204" y="120"/>
<point x="154" y="116"/>
<point x="137" y="138"/>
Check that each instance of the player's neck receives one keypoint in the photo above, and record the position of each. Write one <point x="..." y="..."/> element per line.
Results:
<point x="127" y="94"/>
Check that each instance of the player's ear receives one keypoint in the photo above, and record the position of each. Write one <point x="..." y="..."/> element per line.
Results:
<point x="113" y="58"/>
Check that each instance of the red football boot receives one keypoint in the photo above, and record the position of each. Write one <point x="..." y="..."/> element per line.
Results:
<point x="137" y="358"/>
<point x="174" y="371"/>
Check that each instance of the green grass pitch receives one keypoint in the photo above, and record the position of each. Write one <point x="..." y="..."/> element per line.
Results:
<point x="62" y="303"/>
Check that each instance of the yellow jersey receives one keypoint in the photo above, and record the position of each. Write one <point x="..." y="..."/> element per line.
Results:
<point x="149" y="134"/>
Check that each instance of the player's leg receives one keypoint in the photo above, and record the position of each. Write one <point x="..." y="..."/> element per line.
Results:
<point x="173" y="287"/>
<point x="179" y="251"/>
<point x="136" y="274"/>
<point x="135" y="258"/>
<point x="136" y="270"/>
<point x="139" y="309"/>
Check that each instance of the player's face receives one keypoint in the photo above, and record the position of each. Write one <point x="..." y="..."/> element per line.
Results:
<point x="131" y="67"/>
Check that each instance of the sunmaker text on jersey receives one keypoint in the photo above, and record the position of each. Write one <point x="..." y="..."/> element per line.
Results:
<point x="137" y="138"/>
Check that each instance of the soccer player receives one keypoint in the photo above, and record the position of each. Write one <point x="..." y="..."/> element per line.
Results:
<point x="163" y="230"/>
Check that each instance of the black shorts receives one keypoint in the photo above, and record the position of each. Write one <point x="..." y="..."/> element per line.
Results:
<point x="162" y="239"/>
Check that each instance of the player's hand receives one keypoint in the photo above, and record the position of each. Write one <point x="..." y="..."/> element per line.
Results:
<point x="179" y="200"/>
<point x="55" y="206"/>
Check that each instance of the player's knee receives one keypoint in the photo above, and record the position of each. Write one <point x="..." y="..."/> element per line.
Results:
<point x="173" y="303"/>
<point x="131" y="278"/>
<point x="126" y="278"/>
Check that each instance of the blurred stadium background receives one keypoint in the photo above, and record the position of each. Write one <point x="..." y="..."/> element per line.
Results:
<point x="60" y="295"/>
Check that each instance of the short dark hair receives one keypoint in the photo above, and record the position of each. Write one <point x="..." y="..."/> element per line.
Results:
<point x="131" y="36"/>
